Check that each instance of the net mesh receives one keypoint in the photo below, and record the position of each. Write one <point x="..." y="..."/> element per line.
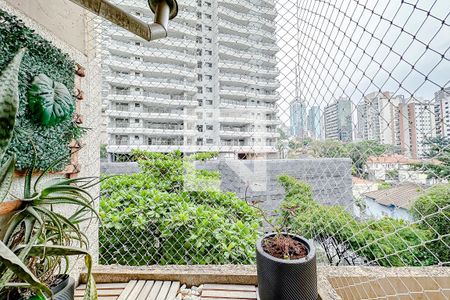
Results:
<point x="351" y="97"/>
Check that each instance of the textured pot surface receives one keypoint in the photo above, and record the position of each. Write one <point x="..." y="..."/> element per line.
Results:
<point x="280" y="279"/>
<point x="67" y="292"/>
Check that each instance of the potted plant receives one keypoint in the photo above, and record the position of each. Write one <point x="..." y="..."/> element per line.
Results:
<point x="285" y="263"/>
<point x="38" y="236"/>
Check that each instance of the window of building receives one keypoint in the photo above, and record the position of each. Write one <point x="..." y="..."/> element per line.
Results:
<point x="199" y="2"/>
<point x="138" y="43"/>
<point x="199" y="51"/>
<point x="208" y="52"/>
<point x="209" y="141"/>
<point x="209" y="77"/>
<point x="209" y="90"/>
<point x="209" y="127"/>
<point x="209" y="115"/>
<point x="200" y="102"/>
<point x="136" y="120"/>
<point x="209" y="28"/>
<point x="208" y="4"/>
<point x="208" y="64"/>
<point x="208" y="16"/>
<point x="199" y="77"/>
<point x="208" y="40"/>
<point x="136" y="137"/>
<point x="200" y="128"/>
<point x="199" y="89"/>
<point x="199" y="39"/>
<point x="199" y="15"/>
<point x="199" y="64"/>
<point x="198" y="27"/>
<point x="137" y="105"/>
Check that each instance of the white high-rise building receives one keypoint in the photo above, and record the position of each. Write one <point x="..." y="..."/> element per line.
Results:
<point x="442" y="112"/>
<point x="376" y="117"/>
<point x="210" y="86"/>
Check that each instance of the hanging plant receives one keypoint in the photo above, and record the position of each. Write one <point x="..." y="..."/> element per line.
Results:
<point x="49" y="101"/>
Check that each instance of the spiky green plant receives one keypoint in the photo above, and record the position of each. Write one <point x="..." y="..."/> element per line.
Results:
<point x="37" y="236"/>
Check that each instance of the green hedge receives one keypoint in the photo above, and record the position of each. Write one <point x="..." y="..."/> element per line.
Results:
<point x="48" y="142"/>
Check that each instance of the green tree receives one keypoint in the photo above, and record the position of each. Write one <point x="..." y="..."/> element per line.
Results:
<point x="328" y="148"/>
<point x="432" y="211"/>
<point x="153" y="217"/>
<point x="359" y="152"/>
<point x="440" y="151"/>
<point x="385" y="242"/>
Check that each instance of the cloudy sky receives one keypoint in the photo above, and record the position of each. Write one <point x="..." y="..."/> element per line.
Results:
<point x="353" y="47"/>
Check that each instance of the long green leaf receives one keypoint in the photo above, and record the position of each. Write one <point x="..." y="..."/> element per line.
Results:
<point x="51" y="250"/>
<point x="6" y="177"/>
<point x="9" y="100"/>
<point x="12" y="262"/>
<point x="13" y="224"/>
<point x="68" y="200"/>
<point x="54" y="220"/>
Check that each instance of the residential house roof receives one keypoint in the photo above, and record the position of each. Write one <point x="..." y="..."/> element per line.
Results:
<point x="390" y="159"/>
<point x="402" y="196"/>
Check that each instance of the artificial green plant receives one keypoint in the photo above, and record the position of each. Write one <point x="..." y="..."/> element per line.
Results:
<point x="37" y="236"/>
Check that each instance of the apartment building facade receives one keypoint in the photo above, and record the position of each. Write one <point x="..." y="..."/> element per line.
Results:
<point x="403" y="123"/>
<point x="210" y="86"/>
<point x="442" y="112"/>
<point x="376" y="115"/>
<point x="338" y="120"/>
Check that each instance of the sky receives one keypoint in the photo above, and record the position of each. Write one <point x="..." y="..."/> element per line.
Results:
<point x="351" y="48"/>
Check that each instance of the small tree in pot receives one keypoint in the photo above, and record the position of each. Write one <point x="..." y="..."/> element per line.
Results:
<point x="286" y="263"/>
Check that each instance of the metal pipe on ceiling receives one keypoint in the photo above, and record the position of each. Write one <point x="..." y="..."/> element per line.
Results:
<point x="164" y="10"/>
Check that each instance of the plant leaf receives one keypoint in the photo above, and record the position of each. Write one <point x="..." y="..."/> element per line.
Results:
<point x="50" y="101"/>
<point x="6" y="177"/>
<point x="9" y="100"/>
<point x="12" y="262"/>
<point x="50" y="250"/>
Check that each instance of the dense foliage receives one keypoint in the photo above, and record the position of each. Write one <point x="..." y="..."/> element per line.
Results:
<point x="358" y="152"/>
<point x="30" y="138"/>
<point x="385" y="242"/>
<point x="432" y="211"/>
<point x="152" y="218"/>
<point x="440" y="152"/>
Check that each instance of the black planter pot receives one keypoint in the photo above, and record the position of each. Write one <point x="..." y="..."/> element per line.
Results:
<point x="280" y="279"/>
<point x="64" y="289"/>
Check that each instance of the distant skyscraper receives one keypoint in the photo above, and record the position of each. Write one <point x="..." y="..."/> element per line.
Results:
<point x="422" y="126"/>
<point x="298" y="118"/>
<point x="314" y="123"/>
<point x="338" y="120"/>
<point x="442" y="112"/>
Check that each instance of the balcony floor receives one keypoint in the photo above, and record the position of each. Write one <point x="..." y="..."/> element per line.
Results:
<point x="239" y="282"/>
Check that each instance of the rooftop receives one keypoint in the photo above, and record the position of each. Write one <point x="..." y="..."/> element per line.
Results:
<point x="402" y="196"/>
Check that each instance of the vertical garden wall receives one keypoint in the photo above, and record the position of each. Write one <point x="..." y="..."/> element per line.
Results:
<point x="45" y="124"/>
